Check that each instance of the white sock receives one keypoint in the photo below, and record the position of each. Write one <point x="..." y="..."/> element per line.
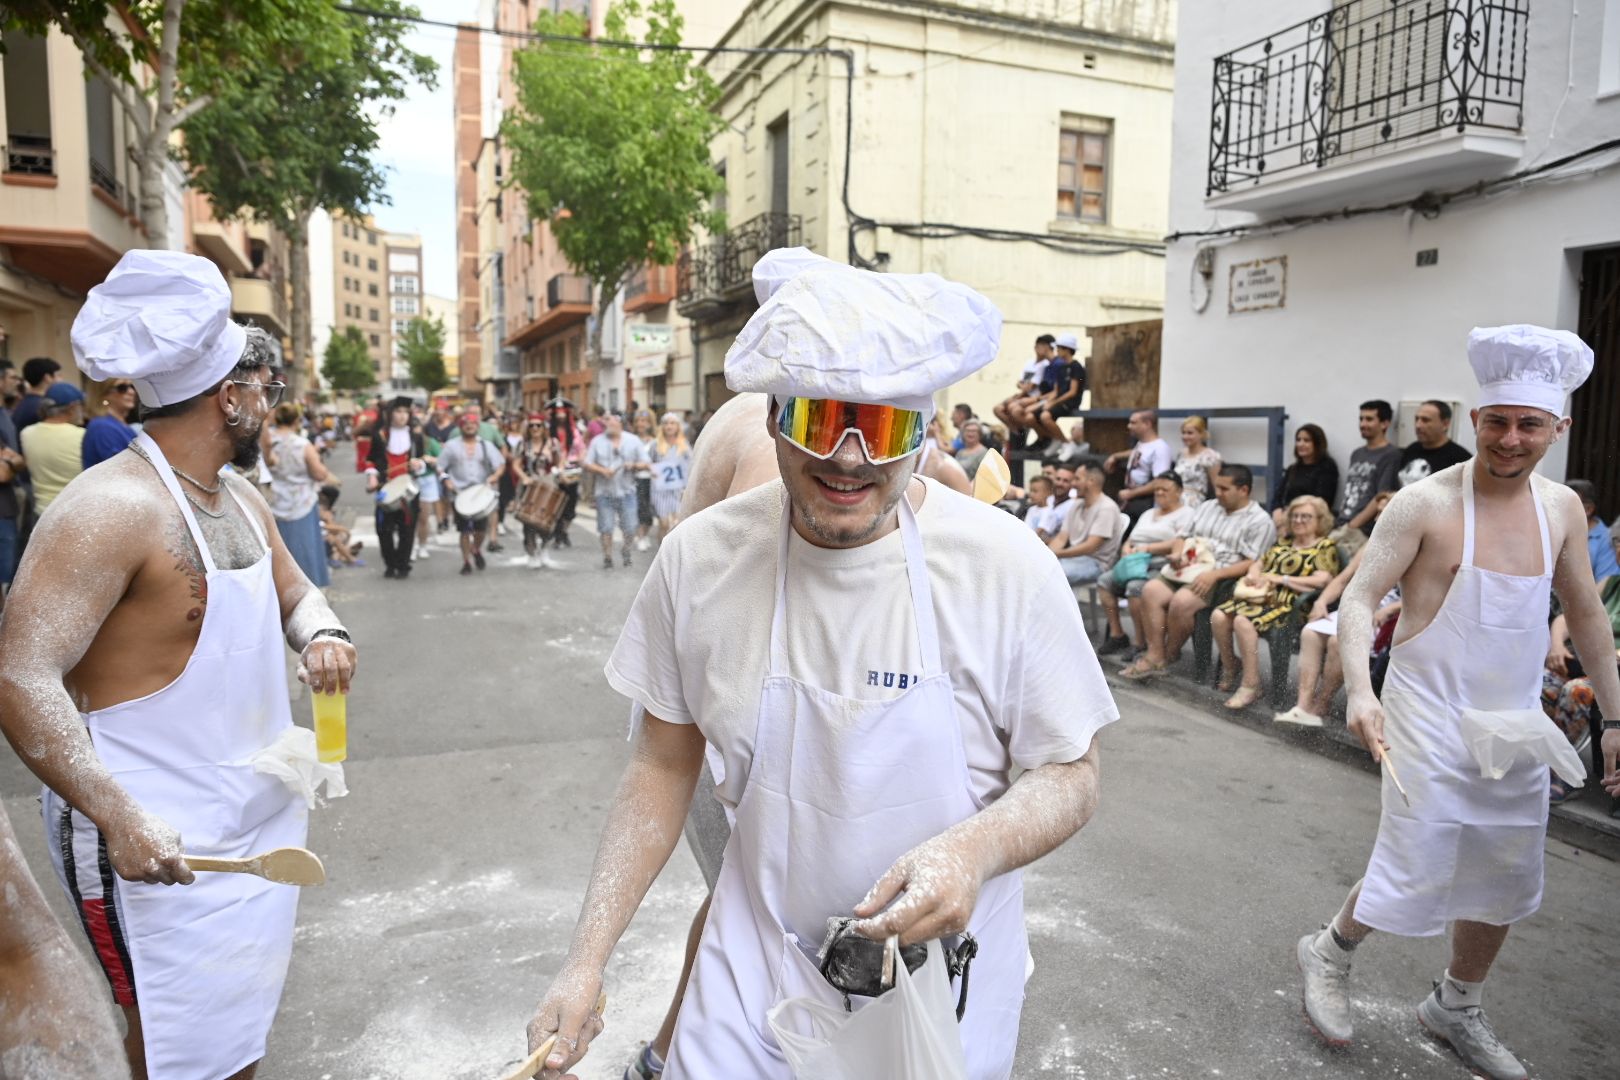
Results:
<point x="1456" y="994"/>
<point x="1328" y="949"/>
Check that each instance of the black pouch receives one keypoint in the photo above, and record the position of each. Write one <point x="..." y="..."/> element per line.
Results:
<point x="855" y="964"/>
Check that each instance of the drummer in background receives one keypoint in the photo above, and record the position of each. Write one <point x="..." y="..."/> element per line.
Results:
<point x="467" y="462"/>
<point x="398" y="451"/>
<point x="533" y="460"/>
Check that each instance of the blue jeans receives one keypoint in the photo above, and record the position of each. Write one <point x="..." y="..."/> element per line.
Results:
<point x="617" y="510"/>
<point x="1081" y="570"/>
<point x="8" y="549"/>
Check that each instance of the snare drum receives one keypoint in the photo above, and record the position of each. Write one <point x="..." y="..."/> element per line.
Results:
<point x="476" y="502"/>
<point x="397" y="492"/>
<point x="539" y="504"/>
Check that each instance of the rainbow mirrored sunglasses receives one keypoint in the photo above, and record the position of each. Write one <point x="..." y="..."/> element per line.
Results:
<point x="818" y="426"/>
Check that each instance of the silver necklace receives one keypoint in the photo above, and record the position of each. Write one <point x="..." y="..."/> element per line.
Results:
<point x="215" y="514"/>
<point x="187" y="477"/>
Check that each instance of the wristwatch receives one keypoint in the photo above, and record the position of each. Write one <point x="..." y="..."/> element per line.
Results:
<point x="1611" y="725"/>
<point x="332" y="632"/>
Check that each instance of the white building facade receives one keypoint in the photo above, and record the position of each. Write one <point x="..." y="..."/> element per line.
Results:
<point x="1329" y="243"/>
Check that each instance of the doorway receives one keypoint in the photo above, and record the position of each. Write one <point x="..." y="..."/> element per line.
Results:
<point x="1594" y="447"/>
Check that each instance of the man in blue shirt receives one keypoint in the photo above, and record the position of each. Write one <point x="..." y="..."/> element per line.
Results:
<point x="1598" y="543"/>
<point x="38" y="375"/>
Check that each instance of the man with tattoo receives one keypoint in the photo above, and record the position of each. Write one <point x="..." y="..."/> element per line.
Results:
<point x="1476" y="549"/>
<point x="142" y="672"/>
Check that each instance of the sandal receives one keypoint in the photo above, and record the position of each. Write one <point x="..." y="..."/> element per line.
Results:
<point x="1561" y="792"/>
<point x="1245" y="696"/>
<point x="1143" y="669"/>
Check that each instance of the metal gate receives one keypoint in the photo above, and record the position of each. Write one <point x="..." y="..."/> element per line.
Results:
<point x="1594" y="451"/>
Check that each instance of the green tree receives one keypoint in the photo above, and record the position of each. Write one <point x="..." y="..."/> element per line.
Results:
<point x="614" y="153"/>
<point x="282" y="142"/>
<point x="347" y="365"/>
<point x="422" y="349"/>
<point x="167" y="61"/>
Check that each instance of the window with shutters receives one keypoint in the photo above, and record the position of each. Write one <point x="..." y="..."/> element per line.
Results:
<point x="1083" y="147"/>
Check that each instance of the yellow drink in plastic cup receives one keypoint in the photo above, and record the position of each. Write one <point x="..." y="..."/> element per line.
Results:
<point x="331" y="726"/>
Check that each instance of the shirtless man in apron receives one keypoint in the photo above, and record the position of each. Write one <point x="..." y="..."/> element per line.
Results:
<point x="1476" y="549"/>
<point x="142" y="666"/>
<point x="946" y="826"/>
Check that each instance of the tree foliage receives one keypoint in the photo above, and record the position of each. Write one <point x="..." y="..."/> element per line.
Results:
<point x="619" y="141"/>
<point x="168" y="61"/>
<point x="422" y="349"/>
<point x="347" y="365"/>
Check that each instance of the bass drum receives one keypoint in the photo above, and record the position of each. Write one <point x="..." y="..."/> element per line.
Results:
<point x="540" y="503"/>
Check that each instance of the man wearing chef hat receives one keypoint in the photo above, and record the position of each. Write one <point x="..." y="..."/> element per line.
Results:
<point x="1476" y="549"/>
<point x="142" y="673"/>
<point x="848" y="639"/>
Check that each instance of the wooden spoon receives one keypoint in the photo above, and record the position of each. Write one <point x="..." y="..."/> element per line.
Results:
<point x="285" y="866"/>
<point x="531" y="1064"/>
<point x="990" y="483"/>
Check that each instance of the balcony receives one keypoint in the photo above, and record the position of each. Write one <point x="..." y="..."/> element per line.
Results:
<point x="256" y="300"/>
<point x="31" y="156"/>
<point x="225" y="243"/>
<point x="649" y="287"/>
<point x="568" y="303"/>
<point x="721" y="272"/>
<point x="1371" y="100"/>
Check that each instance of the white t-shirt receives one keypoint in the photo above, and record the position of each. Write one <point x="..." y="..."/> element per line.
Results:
<point x="1029" y="691"/>
<point x="1033" y="372"/>
<point x="1148" y="460"/>
<point x="1155" y="528"/>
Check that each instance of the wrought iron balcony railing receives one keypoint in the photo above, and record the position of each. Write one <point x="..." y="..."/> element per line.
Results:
<point x="104" y="178"/>
<point x="30" y="155"/>
<point x="725" y="264"/>
<point x="1364" y="77"/>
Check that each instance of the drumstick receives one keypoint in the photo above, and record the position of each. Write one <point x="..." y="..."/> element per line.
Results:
<point x="1395" y="776"/>
<point x="531" y="1064"/>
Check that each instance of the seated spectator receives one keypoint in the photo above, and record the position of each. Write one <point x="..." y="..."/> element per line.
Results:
<point x="960" y="415"/>
<point x="1303" y="563"/>
<point x="1598" y="543"/>
<point x="1038" y="516"/>
<point x="1321" y="671"/>
<point x="341" y="550"/>
<point x="1236" y="532"/>
<point x="1374" y="467"/>
<point x="1433" y="449"/>
<point x="1566" y="691"/>
<point x="1198" y="464"/>
<point x="1313" y="472"/>
<point x="1088" y="543"/>
<point x="1154" y="535"/>
<point x="1148" y="458"/>
<point x="1014" y="412"/>
<point x="1061" y="389"/>
<point x="973" y="447"/>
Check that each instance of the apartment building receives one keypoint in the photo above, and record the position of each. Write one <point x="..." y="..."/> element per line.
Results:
<point x="70" y="207"/>
<point x="448" y="310"/>
<point x="404" y="257"/>
<point x="360" y="287"/>
<point x="1343" y="305"/>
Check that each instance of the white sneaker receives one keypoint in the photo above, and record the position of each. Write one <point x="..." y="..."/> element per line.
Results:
<point x="504" y="529"/>
<point x="534" y="562"/>
<point x="642" y="544"/>
<point x="1468" y="1033"/>
<point x="517" y="560"/>
<point x="420" y="552"/>
<point x="1298" y="716"/>
<point x="1326" y="994"/>
<point x="1068" y="453"/>
<point x="548" y="563"/>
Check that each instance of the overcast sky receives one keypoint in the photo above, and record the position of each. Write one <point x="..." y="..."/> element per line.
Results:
<point x="418" y="150"/>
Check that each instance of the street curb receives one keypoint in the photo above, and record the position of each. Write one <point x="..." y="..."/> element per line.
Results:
<point x="1592" y="832"/>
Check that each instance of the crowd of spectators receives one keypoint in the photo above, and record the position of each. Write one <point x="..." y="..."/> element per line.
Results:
<point x="1168" y="537"/>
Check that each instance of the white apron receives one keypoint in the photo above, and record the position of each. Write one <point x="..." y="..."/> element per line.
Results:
<point x="209" y="959"/>
<point x="839" y="788"/>
<point x="1468" y="847"/>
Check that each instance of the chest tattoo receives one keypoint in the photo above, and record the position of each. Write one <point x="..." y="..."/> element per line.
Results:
<point x="231" y="541"/>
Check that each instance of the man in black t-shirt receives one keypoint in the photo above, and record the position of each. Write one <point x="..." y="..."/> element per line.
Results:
<point x="1434" y="449"/>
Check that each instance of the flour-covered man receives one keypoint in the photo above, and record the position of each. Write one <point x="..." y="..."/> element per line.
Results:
<point x="854" y="642"/>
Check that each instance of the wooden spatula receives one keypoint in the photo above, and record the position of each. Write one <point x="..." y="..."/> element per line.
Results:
<point x="531" y="1064"/>
<point x="285" y="866"/>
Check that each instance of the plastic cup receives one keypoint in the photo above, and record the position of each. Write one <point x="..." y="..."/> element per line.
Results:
<point x="331" y="726"/>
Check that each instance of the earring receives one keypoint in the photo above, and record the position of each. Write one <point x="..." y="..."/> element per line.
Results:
<point x="233" y="419"/>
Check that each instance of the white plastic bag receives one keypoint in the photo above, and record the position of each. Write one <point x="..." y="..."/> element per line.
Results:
<point x="1499" y="738"/>
<point x="908" y="1033"/>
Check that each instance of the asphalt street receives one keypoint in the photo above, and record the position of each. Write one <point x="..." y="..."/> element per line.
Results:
<point x="485" y="747"/>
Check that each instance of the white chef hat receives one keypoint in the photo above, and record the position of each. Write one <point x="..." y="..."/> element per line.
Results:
<point x="1528" y="365"/>
<point x="162" y="320"/>
<point x="826" y="330"/>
